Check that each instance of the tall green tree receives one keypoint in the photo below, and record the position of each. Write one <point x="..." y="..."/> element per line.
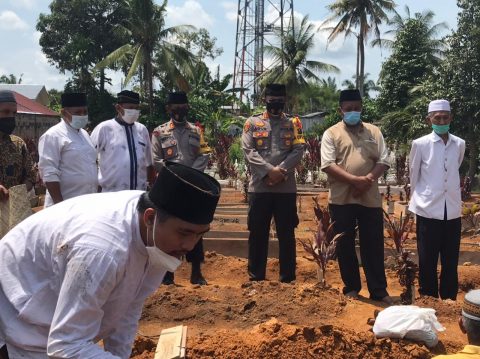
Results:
<point x="78" y="34"/>
<point x="145" y="40"/>
<point x="416" y="51"/>
<point x="458" y="78"/>
<point x="291" y="65"/>
<point x="319" y="96"/>
<point x="11" y="79"/>
<point x="359" y="18"/>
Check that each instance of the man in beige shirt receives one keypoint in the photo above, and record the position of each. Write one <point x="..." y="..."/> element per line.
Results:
<point x="354" y="156"/>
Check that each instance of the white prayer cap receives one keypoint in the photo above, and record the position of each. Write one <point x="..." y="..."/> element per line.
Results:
<point x="439" y="105"/>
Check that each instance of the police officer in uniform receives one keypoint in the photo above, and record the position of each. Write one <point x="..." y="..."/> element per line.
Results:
<point x="16" y="165"/>
<point x="273" y="144"/>
<point x="181" y="141"/>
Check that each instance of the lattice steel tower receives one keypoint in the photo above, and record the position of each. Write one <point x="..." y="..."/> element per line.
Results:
<point x="254" y="29"/>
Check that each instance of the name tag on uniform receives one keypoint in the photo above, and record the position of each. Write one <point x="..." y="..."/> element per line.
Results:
<point x="260" y="134"/>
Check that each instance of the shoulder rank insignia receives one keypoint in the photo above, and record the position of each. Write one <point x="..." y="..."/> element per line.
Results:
<point x="297" y="131"/>
<point x="259" y="124"/>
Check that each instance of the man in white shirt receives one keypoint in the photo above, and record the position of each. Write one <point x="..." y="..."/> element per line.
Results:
<point x="435" y="160"/>
<point x="123" y="147"/>
<point x="67" y="158"/>
<point x="79" y="272"/>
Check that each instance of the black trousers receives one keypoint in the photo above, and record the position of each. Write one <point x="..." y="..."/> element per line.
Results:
<point x="3" y="352"/>
<point x="438" y="238"/>
<point x="370" y="228"/>
<point x="283" y="208"/>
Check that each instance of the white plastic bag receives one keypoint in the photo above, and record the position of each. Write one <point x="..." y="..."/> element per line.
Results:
<point x="410" y="322"/>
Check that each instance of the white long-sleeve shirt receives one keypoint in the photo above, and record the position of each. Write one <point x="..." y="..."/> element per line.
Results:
<point x="124" y="153"/>
<point x="68" y="156"/>
<point x="434" y="176"/>
<point x="73" y="274"/>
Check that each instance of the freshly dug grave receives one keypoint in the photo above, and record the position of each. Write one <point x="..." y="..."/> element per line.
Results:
<point x="232" y="317"/>
<point x="235" y="318"/>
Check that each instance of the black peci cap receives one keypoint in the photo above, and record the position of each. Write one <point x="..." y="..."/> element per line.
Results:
<point x="74" y="99"/>
<point x="186" y="193"/>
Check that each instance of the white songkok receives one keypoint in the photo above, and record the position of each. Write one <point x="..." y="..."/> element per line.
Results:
<point x="439" y="105"/>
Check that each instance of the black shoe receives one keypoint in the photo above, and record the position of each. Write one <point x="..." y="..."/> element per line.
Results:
<point x="197" y="278"/>
<point x="168" y="279"/>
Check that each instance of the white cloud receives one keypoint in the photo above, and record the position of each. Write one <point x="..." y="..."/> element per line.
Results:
<point x="231" y="10"/>
<point x="26" y="4"/>
<point x="36" y="36"/>
<point x="191" y="12"/>
<point x="10" y="21"/>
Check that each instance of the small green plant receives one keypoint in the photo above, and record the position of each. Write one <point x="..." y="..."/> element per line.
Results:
<point x="323" y="247"/>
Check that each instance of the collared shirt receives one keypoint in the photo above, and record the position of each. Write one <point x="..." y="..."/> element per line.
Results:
<point x="67" y="156"/>
<point x="469" y="352"/>
<point x="357" y="150"/>
<point x="124" y="154"/>
<point x="434" y="176"/>
<point x="16" y="165"/>
<point x="73" y="274"/>
<point x="268" y="143"/>
<point x="181" y="144"/>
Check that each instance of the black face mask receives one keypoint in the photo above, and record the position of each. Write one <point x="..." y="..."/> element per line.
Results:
<point x="275" y="108"/>
<point x="7" y="125"/>
<point x="181" y="113"/>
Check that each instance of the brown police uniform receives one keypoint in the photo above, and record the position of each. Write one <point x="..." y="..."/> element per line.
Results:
<point x="181" y="144"/>
<point x="268" y="143"/>
<point x="185" y="145"/>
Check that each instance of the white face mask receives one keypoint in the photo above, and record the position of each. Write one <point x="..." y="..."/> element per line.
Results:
<point x="79" y="122"/>
<point x="159" y="258"/>
<point x="130" y="116"/>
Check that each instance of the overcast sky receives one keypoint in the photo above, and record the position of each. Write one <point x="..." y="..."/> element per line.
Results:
<point x="21" y="54"/>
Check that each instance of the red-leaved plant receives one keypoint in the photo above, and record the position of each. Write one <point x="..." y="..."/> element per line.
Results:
<point x="406" y="269"/>
<point x="323" y="247"/>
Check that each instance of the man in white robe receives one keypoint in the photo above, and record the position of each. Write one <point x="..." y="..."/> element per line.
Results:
<point x="67" y="157"/>
<point x="123" y="147"/>
<point x="79" y="272"/>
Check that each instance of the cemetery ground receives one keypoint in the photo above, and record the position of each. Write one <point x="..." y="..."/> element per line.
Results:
<point x="235" y="318"/>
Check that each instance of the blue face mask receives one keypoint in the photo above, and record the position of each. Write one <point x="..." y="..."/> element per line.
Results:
<point x="441" y="129"/>
<point x="351" y="118"/>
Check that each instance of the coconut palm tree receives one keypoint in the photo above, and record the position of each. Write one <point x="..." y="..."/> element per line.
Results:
<point x="424" y="19"/>
<point x="146" y="38"/>
<point x="368" y="85"/>
<point x="10" y="79"/>
<point x="359" y="18"/>
<point x="291" y="65"/>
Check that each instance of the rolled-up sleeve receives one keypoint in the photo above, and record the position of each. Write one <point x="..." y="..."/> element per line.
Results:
<point x="90" y="277"/>
<point x="383" y="151"/>
<point x="49" y="152"/>
<point x="327" y="150"/>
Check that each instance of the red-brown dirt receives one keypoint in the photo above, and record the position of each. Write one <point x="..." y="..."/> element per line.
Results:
<point x="235" y="318"/>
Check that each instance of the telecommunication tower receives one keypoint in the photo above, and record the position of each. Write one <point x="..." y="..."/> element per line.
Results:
<point x="254" y="30"/>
